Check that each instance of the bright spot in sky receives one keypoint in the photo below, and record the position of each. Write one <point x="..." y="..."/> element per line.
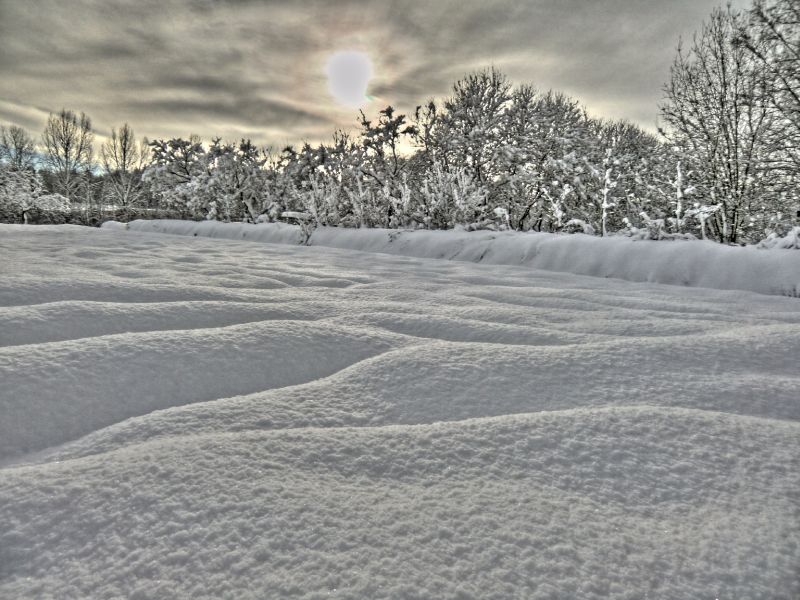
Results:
<point x="348" y="76"/>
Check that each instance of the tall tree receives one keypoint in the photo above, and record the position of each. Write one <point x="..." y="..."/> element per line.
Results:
<point x="771" y="34"/>
<point x="17" y="148"/>
<point x="381" y="161"/>
<point x="470" y="132"/>
<point x="123" y="159"/>
<point x="546" y="136"/>
<point x="716" y="105"/>
<point x="67" y="140"/>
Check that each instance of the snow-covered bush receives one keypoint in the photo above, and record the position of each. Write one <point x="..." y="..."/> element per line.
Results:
<point x="450" y="197"/>
<point x="323" y="199"/>
<point x="18" y="189"/>
<point x="22" y="200"/>
<point x="53" y="203"/>
<point x="578" y="226"/>
<point x="653" y="229"/>
<point x="305" y="221"/>
<point x="790" y="241"/>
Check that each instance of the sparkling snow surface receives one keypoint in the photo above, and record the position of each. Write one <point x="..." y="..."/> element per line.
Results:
<point x="201" y="418"/>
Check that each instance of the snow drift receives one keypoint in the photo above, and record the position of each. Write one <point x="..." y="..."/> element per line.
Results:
<point x="686" y="263"/>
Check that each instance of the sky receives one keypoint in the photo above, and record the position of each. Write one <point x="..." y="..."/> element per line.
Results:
<point x="282" y="72"/>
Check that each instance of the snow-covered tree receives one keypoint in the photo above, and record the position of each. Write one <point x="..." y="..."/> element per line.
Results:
<point x="173" y="175"/>
<point x="546" y="136"/>
<point x="22" y="198"/>
<point x="716" y="106"/>
<point x="469" y="132"/>
<point x="381" y="166"/>
<point x="451" y="197"/>
<point x="321" y="199"/>
<point x="18" y="190"/>
<point x="235" y="179"/>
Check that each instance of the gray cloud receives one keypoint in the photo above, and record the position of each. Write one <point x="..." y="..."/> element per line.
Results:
<point x="256" y="68"/>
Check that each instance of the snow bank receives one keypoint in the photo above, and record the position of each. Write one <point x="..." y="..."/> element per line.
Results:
<point x="695" y="264"/>
<point x="272" y="233"/>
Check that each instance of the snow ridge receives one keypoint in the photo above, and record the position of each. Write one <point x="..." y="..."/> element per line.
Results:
<point x="685" y="263"/>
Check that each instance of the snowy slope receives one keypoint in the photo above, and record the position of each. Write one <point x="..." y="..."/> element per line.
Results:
<point x="695" y="264"/>
<point x="198" y="418"/>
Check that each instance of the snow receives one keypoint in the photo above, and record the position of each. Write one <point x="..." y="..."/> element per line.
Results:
<point x="676" y="262"/>
<point x="791" y="241"/>
<point x="211" y="418"/>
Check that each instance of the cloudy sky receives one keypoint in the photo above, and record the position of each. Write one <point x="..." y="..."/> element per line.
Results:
<point x="284" y="71"/>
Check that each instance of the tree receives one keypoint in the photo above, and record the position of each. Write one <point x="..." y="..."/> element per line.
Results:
<point x="67" y="140"/>
<point x="173" y="172"/>
<point x="237" y="179"/>
<point x="470" y="131"/>
<point x="18" y="191"/>
<point x="771" y="34"/>
<point x="380" y="160"/>
<point x="669" y="175"/>
<point x="622" y="158"/>
<point x="21" y="197"/>
<point x="381" y="144"/>
<point x="426" y="120"/>
<point x="716" y="106"/>
<point x="123" y="160"/>
<point x="17" y="148"/>
<point x="451" y="197"/>
<point x="546" y="138"/>
<point x="321" y="199"/>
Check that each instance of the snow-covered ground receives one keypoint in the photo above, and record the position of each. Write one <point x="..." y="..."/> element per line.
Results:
<point x="695" y="263"/>
<point x="203" y="418"/>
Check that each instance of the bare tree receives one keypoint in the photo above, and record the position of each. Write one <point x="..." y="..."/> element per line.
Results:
<point x="123" y="160"/>
<point x="17" y="148"/>
<point x="771" y="35"/>
<point x="67" y="140"/>
<point x="715" y="105"/>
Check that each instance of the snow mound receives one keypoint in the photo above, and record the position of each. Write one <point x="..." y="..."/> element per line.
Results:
<point x="791" y="241"/>
<point x="111" y="378"/>
<point x="185" y="417"/>
<point x="273" y="233"/>
<point x="695" y="264"/>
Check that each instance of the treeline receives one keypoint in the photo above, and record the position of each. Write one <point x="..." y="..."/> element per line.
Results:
<point x="725" y="165"/>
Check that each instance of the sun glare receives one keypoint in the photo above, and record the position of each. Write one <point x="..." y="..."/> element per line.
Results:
<point x="348" y="77"/>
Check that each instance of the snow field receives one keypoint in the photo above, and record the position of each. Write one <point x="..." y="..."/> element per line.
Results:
<point x="207" y="418"/>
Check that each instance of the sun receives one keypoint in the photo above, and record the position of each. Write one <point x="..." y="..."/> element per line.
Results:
<point x="349" y="73"/>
